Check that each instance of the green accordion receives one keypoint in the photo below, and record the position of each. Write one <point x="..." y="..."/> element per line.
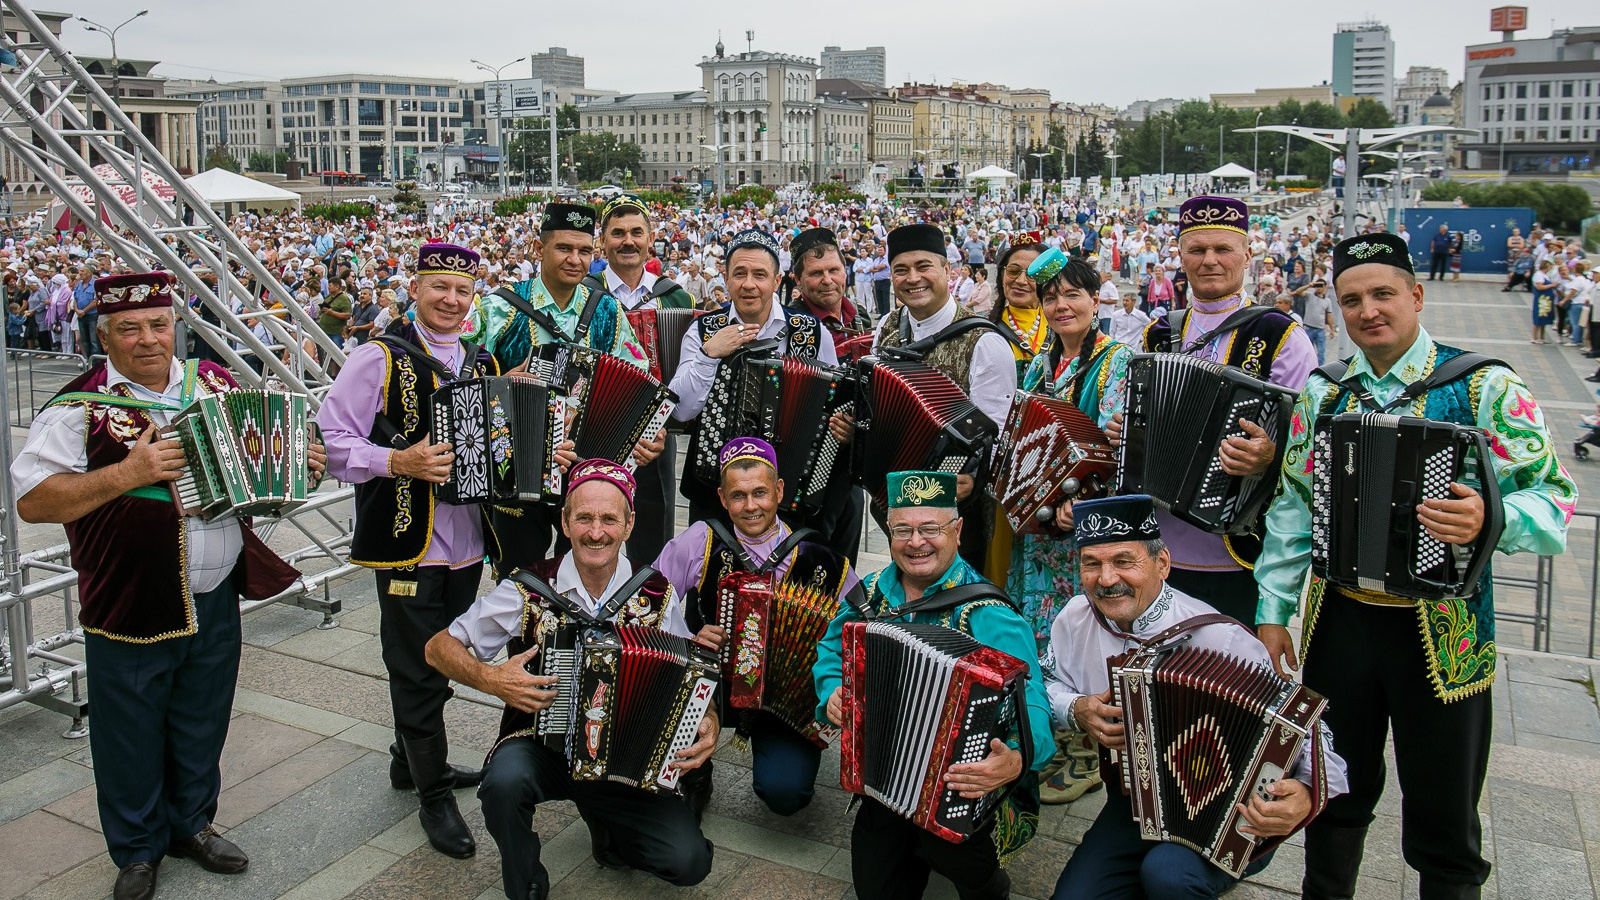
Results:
<point x="245" y="454"/>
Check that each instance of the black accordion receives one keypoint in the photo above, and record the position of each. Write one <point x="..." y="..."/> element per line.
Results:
<point x="1369" y="472"/>
<point x="733" y="406"/>
<point x="1205" y="731"/>
<point x="1178" y="412"/>
<point x="504" y="432"/>
<point x="660" y="333"/>
<point x="796" y="399"/>
<point x="639" y="694"/>
<point x="617" y="404"/>
<point x="1050" y="453"/>
<point x="910" y="415"/>
<point x="919" y="699"/>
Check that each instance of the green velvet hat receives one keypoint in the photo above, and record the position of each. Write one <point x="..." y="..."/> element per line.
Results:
<point x="937" y="489"/>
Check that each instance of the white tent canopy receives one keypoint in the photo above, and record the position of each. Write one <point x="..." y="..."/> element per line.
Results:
<point x="219" y="187"/>
<point x="992" y="173"/>
<point x="1231" y="170"/>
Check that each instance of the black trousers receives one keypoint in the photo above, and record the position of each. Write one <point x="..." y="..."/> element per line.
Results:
<point x="527" y="533"/>
<point x="161" y="713"/>
<point x="1369" y="662"/>
<point x="416" y="604"/>
<point x="655" y="505"/>
<point x="1232" y="593"/>
<point x="890" y="858"/>
<point x="1438" y="265"/>
<point x="880" y="296"/>
<point x="652" y="832"/>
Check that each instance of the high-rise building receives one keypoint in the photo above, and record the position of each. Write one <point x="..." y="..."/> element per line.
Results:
<point x="557" y="68"/>
<point x="1363" y="61"/>
<point x="239" y="116"/>
<point x="1533" y="103"/>
<point x="869" y="66"/>
<point x="1419" y="85"/>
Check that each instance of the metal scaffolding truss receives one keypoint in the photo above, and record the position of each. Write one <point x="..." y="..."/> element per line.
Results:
<point x="48" y="120"/>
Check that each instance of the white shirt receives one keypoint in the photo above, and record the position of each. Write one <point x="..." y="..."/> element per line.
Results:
<point x="56" y="445"/>
<point x="696" y="370"/>
<point x="632" y="298"/>
<point x="1109" y="297"/>
<point x="992" y="377"/>
<point x="1127" y="326"/>
<point x="495" y="618"/>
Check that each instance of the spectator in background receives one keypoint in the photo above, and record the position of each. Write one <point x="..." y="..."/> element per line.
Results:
<point x="88" y="313"/>
<point x="981" y="298"/>
<point x="1439" y="250"/>
<point x="1128" y="321"/>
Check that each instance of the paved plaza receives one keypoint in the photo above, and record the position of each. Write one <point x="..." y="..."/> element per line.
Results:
<point x="306" y="792"/>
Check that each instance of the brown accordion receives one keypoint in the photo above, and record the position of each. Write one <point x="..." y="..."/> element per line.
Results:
<point x="771" y="641"/>
<point x="910" y="415"/>
<point x="618" y="404"/>
<point x="660" y="333"/>
<point x="1050" y="453"/>
<point x="639" y="695"/>
<point x="1205" y="731"/>
<point x="796" y="397"/>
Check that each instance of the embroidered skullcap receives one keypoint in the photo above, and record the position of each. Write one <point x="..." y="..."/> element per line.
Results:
<point x="121" y="293"/>
<point x="746" y="448"/>
<point x="1047" y="266"/>
<point x="753" y="239"/>
<point x="602" y="470"/>
<point x="927" y="238"/>
<point x="447" y="259"/>
<point x="1110" y="520"/>
<point x="809" y="240"/>
<point x="933" y="489"/>
<point x="620" y="204"/>
<point x="1382" y="247"/>
<point x="1203" y="212"/>
<point x="567" y="217"/>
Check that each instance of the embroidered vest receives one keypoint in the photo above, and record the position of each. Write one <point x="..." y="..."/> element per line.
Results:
<point x="1457" y="635"/>
<point x="1252" y="348"/>
<point x="514" y="340"/>
<point x="394" y="516"/>
<point x="647" y="607"/>
<point x="953" y="356"/>
<point x="811" y="564"/>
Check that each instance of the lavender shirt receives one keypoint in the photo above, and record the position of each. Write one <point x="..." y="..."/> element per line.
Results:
<point x="683" y="559"/>
<point x="1201" y="550"/>
<point x="346" y="419"/>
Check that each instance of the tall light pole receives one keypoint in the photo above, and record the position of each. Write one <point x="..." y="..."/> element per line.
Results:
<point x="500" y="112"/>
<point x="1041" y="157"/>
<point x="1287" y="137"/>
<point x="1163" y="146"/>
<point x="116" y="61"/>
<point x="1255" y="156"/>
<point x="717" y="149"/>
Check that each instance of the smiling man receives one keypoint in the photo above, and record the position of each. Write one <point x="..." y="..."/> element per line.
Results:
<point x="427" y="555"/>
<point x="1362" y="647"/>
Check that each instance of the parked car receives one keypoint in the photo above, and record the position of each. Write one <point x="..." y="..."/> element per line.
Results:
<point x="607" y="192"/>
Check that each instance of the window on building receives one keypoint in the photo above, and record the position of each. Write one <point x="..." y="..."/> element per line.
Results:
<point x="1566" y="112"/>
<point x="397" y="90"/>
<point x="1522" y="92"/>
<point x="1566" y="134"/>
<point x="1544" y="113"/>
<point x="1544" y="89"/>
<point x="371" y="87"/>
<point x="409" y="137"/>
<point x="1521" y="114"/>
<point x="369" y="112"/>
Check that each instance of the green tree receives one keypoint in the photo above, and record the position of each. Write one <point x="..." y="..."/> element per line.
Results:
<point x="529" y="147"/>
<point x="593" y="155"/>
<point x="268" y="162"/>
<point x="220" y="158"/>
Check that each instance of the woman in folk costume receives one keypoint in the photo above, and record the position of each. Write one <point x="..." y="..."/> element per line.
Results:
<point x="1088" y="368"/>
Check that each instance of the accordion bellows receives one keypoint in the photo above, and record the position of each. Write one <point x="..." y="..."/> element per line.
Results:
<point x="771" y="647"/>
<point x="660" y="332"/>
<point x="910" y="415"/>
<point x="618" y="404"/>
<point x="794" y="399"/>
<point x="1205" y="731"/>
<point x="504" y="432"/>
<point x="1369" y="472"/>
<point x="245" y="453"/>
<point x="919" y="699"/>
<point x="1050" y="453"/>
<point x="1178" y="412"/>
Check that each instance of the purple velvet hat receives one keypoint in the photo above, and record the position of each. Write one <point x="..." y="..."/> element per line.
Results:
<point x="1202" y="212"/>
<point x="747" y="448"/>
<point x="447" y="259"/>
<point x="602" y="470"/>
<point x="146" y="290"/>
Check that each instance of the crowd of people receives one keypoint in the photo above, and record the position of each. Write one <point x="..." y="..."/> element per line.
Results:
<point x="1052" y="298"/>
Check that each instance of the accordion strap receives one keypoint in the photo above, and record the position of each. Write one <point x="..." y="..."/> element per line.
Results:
<point x="910" y="349"/>
<point x="469" y="357"/>
<point x="1442" y="374"/>
<point x="1193" y="623"/>
<point x="747" y="563"/>
<point x="554" y="598"/>
<point x="950" y="598"/>
<point x="1178" y="318"/>
<point x="626" y="592"/>
<point x="543" y="319"/>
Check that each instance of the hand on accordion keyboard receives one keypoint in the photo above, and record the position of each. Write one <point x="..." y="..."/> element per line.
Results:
<point x="711" y="636"/>
<point x="1251" y="455"/>
<point x="842" y="426"/>
<point x="705" y="743"/>
<point x="512" y="682"/>
<point x="964" y="486"/>
<point x="836" y="708"/>
<point x="972" y="780"/>
<point x="152" y="461"/>
<point x="646" y="452"/>
<point x="1453" y="521"/>
<point x="1101" y="720"/>
<point x="1064" y="517"/>
<point x="1277" y="817"/>
<point x="1114" y="430"/>
<point x="424" y="459"/>
<point x="317" y="462"/>
<point x="566" y="455"/>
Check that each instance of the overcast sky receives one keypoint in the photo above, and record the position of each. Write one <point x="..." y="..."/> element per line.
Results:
<point x="1108" y="52"/>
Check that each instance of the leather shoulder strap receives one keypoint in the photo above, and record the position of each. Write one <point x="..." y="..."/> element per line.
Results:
<point x="920" y="348"/>
<point x="427" y="360"/>
<point x="544" y="591"/>
<point x="1240" y="318"/>
<point x="627" y="590"/>
<point x="950" y="598"/>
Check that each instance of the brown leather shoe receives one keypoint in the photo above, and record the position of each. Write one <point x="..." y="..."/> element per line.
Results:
<point x="136" y="881"/>
<point x="212" y="851"/>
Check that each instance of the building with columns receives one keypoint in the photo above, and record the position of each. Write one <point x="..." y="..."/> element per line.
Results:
<point x="668" y="126"/>
<point x="763" y="111"/>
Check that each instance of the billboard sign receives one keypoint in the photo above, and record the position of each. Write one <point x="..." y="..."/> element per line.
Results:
<point x="515" y="98"/>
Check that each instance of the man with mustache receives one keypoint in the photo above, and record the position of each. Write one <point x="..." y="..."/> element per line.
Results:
<point x="628" y="827"/>
<point x="784" y="761"/>
<point x="1127" y="601"/>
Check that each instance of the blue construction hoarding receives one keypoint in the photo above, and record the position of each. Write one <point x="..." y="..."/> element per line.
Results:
<point x="1483" y="230"/>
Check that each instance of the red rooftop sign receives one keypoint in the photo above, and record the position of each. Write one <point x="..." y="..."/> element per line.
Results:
<point x="1508" y="18"/>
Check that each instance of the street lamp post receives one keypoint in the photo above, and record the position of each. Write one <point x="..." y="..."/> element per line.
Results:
<point x="1163" y="146"/>
<point x="717" y="149"/>
<point x="1255" y="156"/>
<point x="1287" y="137"/>
<point x="500" y="112"/>
<point x="1041" y="157"/>
<point x="116" y="61"/>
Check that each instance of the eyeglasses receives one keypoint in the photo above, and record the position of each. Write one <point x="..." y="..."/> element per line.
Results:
<point x="1016" y="272"/>
<point x="928" y="532"/>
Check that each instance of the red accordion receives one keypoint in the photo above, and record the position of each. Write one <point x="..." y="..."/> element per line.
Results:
<point x="910" y="415"/>
<point x="853" y="348"/>
<point x="771" y="646"/>
<point x="919" y="699"/>
<point x="660" y="332"/>
<point x="629" y="405"/>
<point x="1050" y="453"/>
<point x="797" y="398"/>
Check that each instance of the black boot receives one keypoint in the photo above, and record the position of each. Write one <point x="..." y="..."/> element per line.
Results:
<point x="1333" y="859"/>
<point x="441" y="820"/>
<point x="541" y="884"/>
<point x="696" y="790"/>
<point x="400" y="772"/>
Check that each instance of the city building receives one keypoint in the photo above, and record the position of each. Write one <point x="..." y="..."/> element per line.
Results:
<point x="1262" y="98"/>
<point x="1534" y="102"/>
<point x="557" y="68"/>
<point x="1139" y="110"/>
<point x="670" y="128"/>
<point x="842" y="144"/>
<point x="889" y="121"/>
<point x="1363" y="61"/>
<point x="372" y="125"/>
<point x="475" y="127"/>
<point x="869" y="66"/>
<point x="170" y="123"/>
<point x="1417" y="88"/>
<point x="765" y="113"/>
<point x="1436" y="110"/>
<point x="956" y="126"/>
<point x="240" y="116"/>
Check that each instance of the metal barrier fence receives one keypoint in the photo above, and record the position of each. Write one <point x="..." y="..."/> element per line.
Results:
<point x="26" y="395"/>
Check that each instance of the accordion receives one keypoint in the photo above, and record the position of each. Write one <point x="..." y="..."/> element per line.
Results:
<point x="628" y="405"/>
<point x="771" y="645"/>
<point x="853" y="348"/>
<point x="639" y="694"/>
<point x="504" y="431"/>
<point x="733" y="407"/>
<point x="910" y="415"/>
<point x="919" y="699"/>
<point x="1050" y="453"/>
<point x="245" y="453"/>
<point x="1205" y="731"/>
<point x="796" y="399"/>
<point x="1190" y="406"/>
<point x="660" y="333"/>
<point x="1369" y="471"/>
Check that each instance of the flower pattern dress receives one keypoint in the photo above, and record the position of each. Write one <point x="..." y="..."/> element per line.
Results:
<point x="1044" y="567"/>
